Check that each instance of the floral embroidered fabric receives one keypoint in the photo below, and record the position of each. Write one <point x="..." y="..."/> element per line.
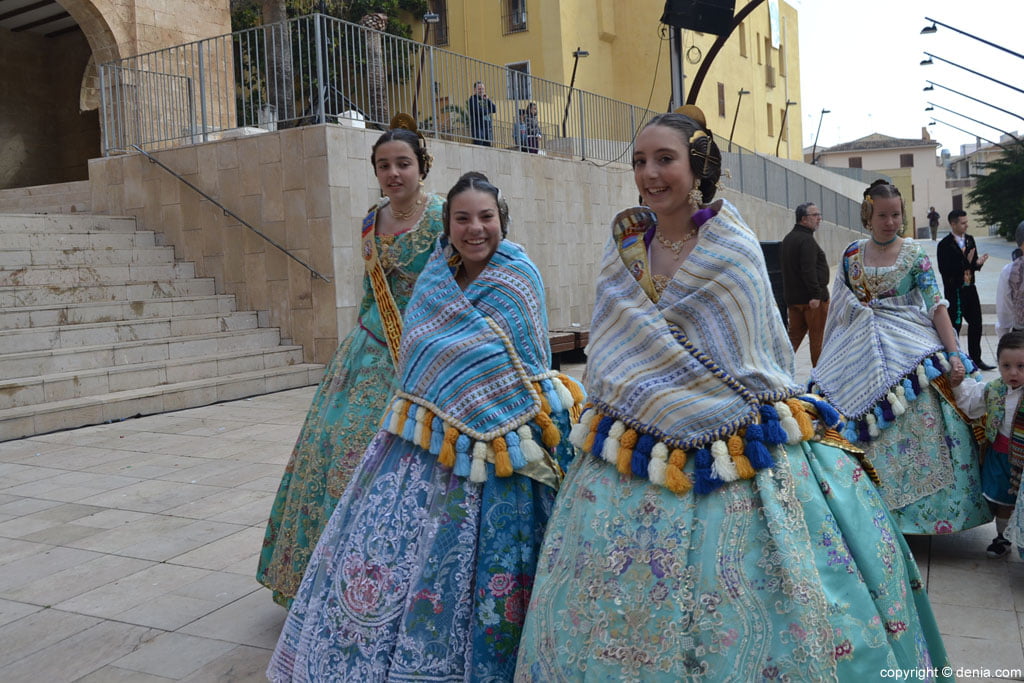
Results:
<point x="343" y="417"/>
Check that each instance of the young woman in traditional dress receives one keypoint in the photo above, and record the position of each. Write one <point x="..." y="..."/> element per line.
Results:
<point x="716" y="526"/>
<point x="398" y="235"/>
<point x="426" y="566"/>
<point x="888" y="348"/>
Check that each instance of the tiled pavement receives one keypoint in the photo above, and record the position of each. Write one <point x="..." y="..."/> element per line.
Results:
<point x="127" y="550"/>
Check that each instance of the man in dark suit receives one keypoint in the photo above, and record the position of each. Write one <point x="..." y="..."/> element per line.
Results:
<point x="958" y="260"/>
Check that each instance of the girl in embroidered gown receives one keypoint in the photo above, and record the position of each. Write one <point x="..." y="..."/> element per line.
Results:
<point x="888" y="348"/>
<point x="398" y="235"/>
<point x="714" y="527"/>
<point x="426" y="566"/>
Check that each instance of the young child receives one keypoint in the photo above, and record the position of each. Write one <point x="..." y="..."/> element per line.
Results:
<point x="999" y="400"/>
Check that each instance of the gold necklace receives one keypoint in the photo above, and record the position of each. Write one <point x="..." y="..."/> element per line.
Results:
<point x="677" y="246"/>
<point x="406" y="215"/>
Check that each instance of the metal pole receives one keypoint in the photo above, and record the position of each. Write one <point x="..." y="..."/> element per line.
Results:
<point x="321" y="86"/>
<point x="814" y="150"/>
<point x="972" y="71"/>
<point x="675" y="41"/>
<point x="987" y="104"/>
<point x="736" y="115"/>
<point x="202" y="94"/>
<point x="969" y="35"/>
<point x="104" y="108"/>
<point x="583" y="134"/>
<point x="572" y="82"/>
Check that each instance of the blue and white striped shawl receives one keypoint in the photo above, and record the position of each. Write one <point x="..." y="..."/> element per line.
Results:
<point x="473" y="357"/>
<point x="727" y="354"/>
<point x="870" y="347"/>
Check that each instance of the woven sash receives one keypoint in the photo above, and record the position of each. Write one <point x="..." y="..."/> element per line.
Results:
<point x="390" y="316"/>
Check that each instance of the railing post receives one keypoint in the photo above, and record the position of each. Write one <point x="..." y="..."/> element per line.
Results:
<point x="583" y="133"/>
<point x="321" y="87"/>
<point x="430" y="89"/>
<point x="104" y="113"/>
<point x="202" y="92"/>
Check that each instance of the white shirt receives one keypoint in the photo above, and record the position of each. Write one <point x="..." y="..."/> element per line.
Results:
<point x="1005" y="317"/>
<point x="970" y="398"/>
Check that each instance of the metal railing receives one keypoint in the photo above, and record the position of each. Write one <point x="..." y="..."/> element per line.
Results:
<point x="229" y="212"/>
<point x="318" y="69"/>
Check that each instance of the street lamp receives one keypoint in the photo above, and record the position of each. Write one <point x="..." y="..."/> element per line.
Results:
<point x="814" y="157"/>
<point x="736" y="115"/>
<point x="932" y="85"/>
<point x="987" y="125"/>
<point x="934" y="121"/>
<point x="782" y="126"/>
<point x="929" y="62"/>
<point x="932" y="29"/>
<point x="428" y="19"/>
<point x="576" y="55"/>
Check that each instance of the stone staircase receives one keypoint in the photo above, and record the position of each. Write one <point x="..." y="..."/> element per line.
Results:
<point x="98" y="323"/>
<point x="70" y="197"/>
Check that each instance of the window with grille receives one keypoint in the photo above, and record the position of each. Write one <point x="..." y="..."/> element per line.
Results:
<point x="906" y="161"/>
<point x="519" y="84"/>
<point x="439" y="31"/>
<point x="721" y="99"/>
<point x="514" y="16"/>
<point x="855" y="162"/>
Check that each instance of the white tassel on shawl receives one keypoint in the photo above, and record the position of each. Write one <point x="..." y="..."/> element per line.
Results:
<point x="563" y="394"/>
<point x="659" y="461"/>
<point x="789" y="423"/>
<point x="872" y="425"/>
<point x="898" y="407"/>
<point x="478" y="470"/>
<point x="531" y="449"/>
<point x="922" y="376"/>
<point x="580" y="430"/>
<point x="722" y="465"/>
<point x="610" y="450"/>
<point x="944" y="362"/>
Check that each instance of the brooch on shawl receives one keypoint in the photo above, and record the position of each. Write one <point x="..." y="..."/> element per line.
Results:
<point x="738" y="455"/>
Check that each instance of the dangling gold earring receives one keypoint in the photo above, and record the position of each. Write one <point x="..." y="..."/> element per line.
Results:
<point x="696" y="197"/>
<point x="421" y="182"/>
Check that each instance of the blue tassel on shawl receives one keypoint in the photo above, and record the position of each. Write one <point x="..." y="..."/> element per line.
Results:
<point x="826" y="413"/>
<point x="908" y="389"/>
<point x="915" y="384"/>
<point x="886" y="412"/>
<point x="602" y="433"/>
<point x="773" y="432"/>
<point x="880" y="416"/>
<point x="462" y="461"/>
<point x="409" y="428"/>
<point x="551" y="395"/>
<point x="704" y="480"/>
<point x="930" y="371"/>
<point x="850" y="431"/>
<point x="755" y="450"/>
<point x="642" y="455"/>
<point x="515" y="452"/>
<point x="436" y="435"/>
<point x="862" y="431"/>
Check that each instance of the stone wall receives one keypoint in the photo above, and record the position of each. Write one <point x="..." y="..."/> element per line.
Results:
<point x="43" y="136"/>
<point x="309" y="189"/>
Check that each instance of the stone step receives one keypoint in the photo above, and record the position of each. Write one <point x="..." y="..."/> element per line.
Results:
<point x="64" y="223"/>
<point x="52" y="361"/>
<point x="127" y="291"/>
<point x="26" y="391"/>
<point x="69" y="197"/>
<point x="75" y="256"/>
<point x="94" y="275"/>
<point x="79" y="412"/>
<point x="115" y="332"/>
<point x="74" y="314"/>
<point x="90" y="241"/>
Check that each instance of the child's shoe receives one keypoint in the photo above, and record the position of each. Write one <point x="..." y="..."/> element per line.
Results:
<point x="998" y="547"/>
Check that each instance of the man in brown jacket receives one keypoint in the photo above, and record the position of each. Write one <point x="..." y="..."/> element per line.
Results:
<point x="805" y="280"/>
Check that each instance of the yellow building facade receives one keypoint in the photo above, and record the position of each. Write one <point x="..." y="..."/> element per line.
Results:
<point x="629" y="58"/>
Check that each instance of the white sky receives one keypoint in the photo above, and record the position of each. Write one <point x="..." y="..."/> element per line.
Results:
<point x="860" y="59"/>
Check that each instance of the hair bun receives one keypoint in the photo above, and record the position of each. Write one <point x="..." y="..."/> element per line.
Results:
<point x="403" y="120"/>
<point x="695" y="113"/>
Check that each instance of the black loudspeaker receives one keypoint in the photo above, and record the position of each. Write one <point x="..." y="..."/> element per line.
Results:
<point x="773" y="263"/>
<point x="706" y="16"/>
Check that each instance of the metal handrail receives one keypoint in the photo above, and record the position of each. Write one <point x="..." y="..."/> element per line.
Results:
<point x="229" y="212"/>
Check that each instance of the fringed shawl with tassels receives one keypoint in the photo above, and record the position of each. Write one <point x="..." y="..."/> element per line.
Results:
<point x="879" y="353"/>
<point x="475" y="369"/>
<point x="705" y="369"/>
